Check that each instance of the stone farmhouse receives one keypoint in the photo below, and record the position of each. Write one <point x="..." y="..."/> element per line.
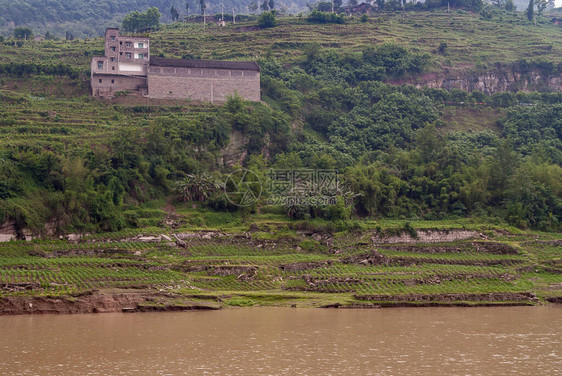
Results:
<point x="128" y="66"/>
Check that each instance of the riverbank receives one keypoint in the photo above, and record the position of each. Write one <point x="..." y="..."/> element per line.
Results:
<point x="151" y="301"/>
<point x="272" y="265"/>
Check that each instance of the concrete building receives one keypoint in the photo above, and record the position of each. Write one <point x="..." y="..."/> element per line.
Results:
<point x="128" y="66"/>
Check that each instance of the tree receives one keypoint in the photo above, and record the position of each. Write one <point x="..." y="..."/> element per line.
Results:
<point x="531" y="10"/>
<point x="541" y="6"/>
<point x="198" y="187"/>
<point x="502" y="168"/>
<point x="175" y="14"/>
<point x="380" y="4"/>
<point x="186" y="8"/>
<point x="509" y="6"/>
<point x="203" y="6"/>
<point x="352" y="3"/>
<point x="476" y="5"/>
<point x="23" y="33"/>
<point x="141" y="21"/>
<point x="152" y="18"/>
<point x="271" y="4"/>
<point x="252" y="7"/>
<point x="267" y="19"/>
<point x="265" y="5"/>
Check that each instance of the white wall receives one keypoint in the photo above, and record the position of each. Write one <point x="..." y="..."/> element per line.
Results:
<point x="130" y="67"/>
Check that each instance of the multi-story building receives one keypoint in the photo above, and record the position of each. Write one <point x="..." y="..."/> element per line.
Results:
<point x="128" y="66"/>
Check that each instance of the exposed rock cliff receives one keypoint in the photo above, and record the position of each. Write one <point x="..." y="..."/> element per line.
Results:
<point x="501" y="78"/>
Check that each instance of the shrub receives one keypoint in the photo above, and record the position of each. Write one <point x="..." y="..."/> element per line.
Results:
<point x="267" y="19"/>
<point x="322" y="17"/>
<point x="23" y="33"/>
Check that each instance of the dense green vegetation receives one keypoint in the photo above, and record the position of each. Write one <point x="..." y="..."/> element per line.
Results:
<point x="142" y="21"/>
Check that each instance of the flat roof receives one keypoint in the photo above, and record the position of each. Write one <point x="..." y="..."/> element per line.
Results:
<point x="216" y="64"/>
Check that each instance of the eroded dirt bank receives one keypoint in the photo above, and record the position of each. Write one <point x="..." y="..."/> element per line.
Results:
<point x="101" y="302"/>
<point x="107" y="302"/>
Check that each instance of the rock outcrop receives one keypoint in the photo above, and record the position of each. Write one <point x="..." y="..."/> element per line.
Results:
<point x="495" y="80"/>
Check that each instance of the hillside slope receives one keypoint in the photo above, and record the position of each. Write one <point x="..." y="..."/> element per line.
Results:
<point x="471" y="41"/>
<point x="329" y="103"/>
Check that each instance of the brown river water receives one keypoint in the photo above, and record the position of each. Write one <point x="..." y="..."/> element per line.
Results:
<point x="285" y="341"/>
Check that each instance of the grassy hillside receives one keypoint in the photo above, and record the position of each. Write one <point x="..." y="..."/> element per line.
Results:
<point x="471" y="40"/>
<point x="325" y="108"/>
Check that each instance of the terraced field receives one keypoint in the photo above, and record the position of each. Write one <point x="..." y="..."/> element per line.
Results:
<point x="470" y="39"/>
<point x="319" y="269"/>
<point x="60" y="122"/>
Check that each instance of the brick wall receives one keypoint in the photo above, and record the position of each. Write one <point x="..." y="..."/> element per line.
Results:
<point x="210" y="85"/>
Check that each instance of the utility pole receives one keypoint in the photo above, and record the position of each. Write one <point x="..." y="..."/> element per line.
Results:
<point x="222" y="13"/>
<point x="332" y="6"/>
<point x="204" y="9"/>
<point x="233" y="16"/>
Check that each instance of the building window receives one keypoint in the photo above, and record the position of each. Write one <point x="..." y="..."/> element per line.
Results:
<point x="141" y="45"/>
<point x="100" y="65"/>
<point x="128" y="44"/>
<point x="100" y="81"/>
<point x="112" y="37"/>
<point x="112" y="68"/>
<point x="141" y="56"/>
<point x="112" y="81"/>
<point x="113" y="59"/>
<point x="128" y="55"/>
<point x="112" y="48"/>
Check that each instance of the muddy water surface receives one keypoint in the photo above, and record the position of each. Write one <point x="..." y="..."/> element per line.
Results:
<point x="284" y="341"/>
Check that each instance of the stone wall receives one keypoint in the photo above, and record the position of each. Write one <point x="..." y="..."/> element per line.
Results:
<point x="210" y="85"/>
<point x="429" y="236"/>
<point x="8" y="231"/>
<point x="112" y="83"/>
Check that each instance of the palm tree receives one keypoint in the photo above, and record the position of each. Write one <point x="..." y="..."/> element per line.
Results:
<point x="198" y="187"/>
